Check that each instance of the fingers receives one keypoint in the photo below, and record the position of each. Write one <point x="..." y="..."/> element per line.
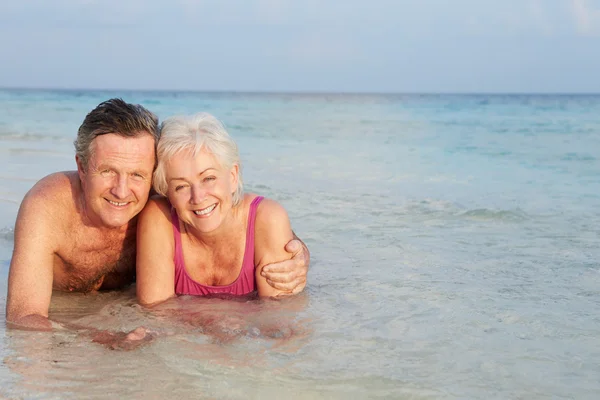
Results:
<point x="136" y="334"/>
<point x="124" y="341"/>
<point x="300" y="287"/>
<point x="289" y="275"/>
<point x="296" y="265"/>
<point x="281" y="268"/>
<point x="293" y="246"/>
<point x="285" y="271"/>
<point x="282" y="282"/>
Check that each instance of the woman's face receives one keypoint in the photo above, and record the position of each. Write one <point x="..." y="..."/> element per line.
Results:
<point x="200" y="189"/>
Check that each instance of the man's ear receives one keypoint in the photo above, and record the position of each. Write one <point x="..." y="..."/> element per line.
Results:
<point x="80" y="167"/>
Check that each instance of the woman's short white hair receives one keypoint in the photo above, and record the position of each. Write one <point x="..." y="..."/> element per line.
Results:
<point x="194" y="133"/>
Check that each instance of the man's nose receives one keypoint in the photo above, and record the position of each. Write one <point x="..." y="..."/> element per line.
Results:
<point x="120" y="188"/>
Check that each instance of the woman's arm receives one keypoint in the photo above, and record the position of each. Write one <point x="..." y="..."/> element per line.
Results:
<point x="290" y="275"/>
<point x="272" y="231"/>
<point x="155" y="268"/>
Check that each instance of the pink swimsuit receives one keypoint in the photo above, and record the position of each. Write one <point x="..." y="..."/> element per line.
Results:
<point x="245" y="282"/>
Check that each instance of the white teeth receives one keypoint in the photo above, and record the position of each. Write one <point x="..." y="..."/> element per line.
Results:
<point x="114" y="203"/>
<point x="206" y="210"/>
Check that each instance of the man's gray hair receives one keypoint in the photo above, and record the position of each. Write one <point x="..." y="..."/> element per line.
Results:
<point x="117" y="117"/>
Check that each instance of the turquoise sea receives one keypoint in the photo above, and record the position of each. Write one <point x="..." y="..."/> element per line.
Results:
<point x="455" y="245"/>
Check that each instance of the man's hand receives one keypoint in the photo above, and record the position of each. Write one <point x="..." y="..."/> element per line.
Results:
<point x="34" y="322"/>
<point x="124" y="341"/>
<point x="289" y="275"/>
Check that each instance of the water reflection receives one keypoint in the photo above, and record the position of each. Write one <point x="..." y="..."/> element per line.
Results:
<point x="195" y="342"/>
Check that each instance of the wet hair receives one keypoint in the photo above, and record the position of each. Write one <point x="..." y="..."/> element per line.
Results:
<point x="117" y="117"/>
<point x="194" y="133"/>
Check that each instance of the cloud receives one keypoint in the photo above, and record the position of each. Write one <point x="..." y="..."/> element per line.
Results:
<point x="324" y="48"/>
<point x="316" y="44"/>
<point x="587" y="19"/>
<point x="540" y="18"/>
<point x="272" y="11"/>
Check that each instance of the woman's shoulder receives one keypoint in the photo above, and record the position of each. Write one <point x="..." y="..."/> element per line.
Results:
<point x="265" y="205"/>
<point x="156" y="207"/>
<point x="269" y="212"/>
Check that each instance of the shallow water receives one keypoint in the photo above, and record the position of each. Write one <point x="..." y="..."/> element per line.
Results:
<point x="454" y="244"/>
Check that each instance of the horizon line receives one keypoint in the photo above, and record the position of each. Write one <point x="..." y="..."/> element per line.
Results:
<point x="300" y="92"/>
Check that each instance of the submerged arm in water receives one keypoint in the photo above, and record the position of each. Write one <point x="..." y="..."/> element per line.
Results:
<point x="226" y="318"/>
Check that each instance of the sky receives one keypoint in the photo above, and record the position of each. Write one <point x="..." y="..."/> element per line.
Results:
<point x="398" y="46"/>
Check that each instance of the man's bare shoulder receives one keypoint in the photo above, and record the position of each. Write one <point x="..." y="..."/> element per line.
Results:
<point x="53" y="198"/>
<point x="57" y="186"/>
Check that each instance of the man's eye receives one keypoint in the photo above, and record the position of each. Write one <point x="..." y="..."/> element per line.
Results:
<point x="138" y="177"/>
<point x="210" y="178"/>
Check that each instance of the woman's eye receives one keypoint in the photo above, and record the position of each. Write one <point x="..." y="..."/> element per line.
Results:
<point x="209" y="178"/>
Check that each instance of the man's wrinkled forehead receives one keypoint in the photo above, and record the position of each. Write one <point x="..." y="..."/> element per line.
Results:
<point x="100" y="144"/>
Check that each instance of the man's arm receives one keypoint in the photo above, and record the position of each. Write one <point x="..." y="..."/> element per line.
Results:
<point x="31" y="267"/>
<point x="289" y="275"/>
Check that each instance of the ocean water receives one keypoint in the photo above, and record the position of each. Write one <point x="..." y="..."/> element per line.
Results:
<point x="454" y="243"/>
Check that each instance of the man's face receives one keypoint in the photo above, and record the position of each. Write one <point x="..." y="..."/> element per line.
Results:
<point x="118" y="178"/>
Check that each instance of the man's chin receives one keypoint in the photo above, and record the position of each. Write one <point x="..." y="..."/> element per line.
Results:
<point x="117" y="221"/>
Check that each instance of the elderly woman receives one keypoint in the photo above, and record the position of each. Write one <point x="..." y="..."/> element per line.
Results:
<point x="207" y="236"/>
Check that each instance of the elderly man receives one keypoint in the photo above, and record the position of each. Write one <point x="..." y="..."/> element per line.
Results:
<point x="76" y="230"/>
